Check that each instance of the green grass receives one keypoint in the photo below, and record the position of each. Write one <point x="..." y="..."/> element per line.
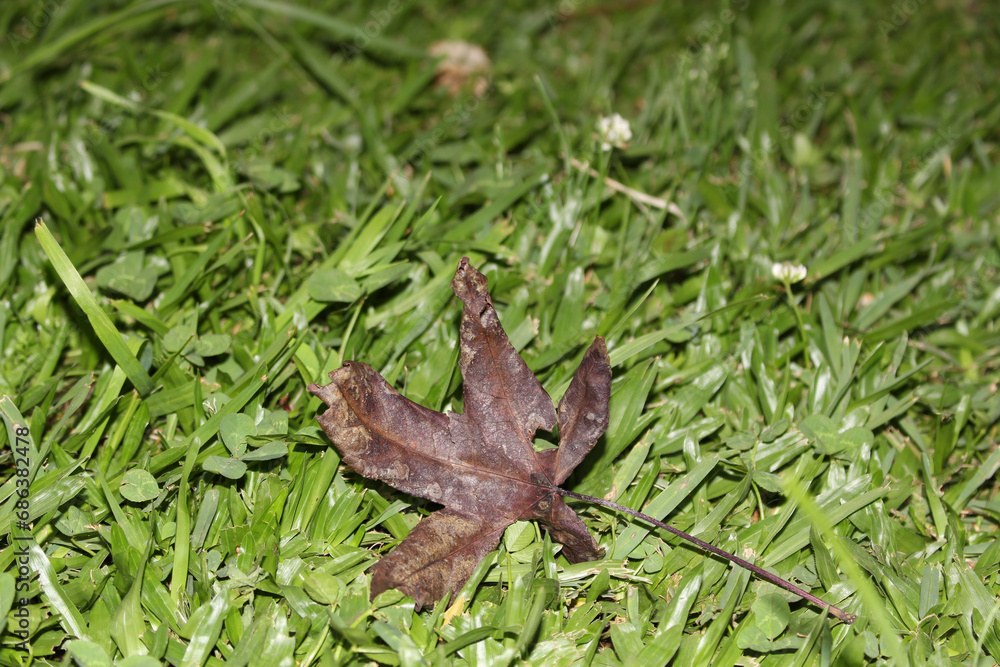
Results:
<point x="207" y="206"/>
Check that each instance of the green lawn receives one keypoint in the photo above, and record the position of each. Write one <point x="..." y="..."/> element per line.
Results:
<point x="206" y="206"/>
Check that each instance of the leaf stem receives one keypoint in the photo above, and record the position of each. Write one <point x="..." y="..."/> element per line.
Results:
<point x="838" y="613"/>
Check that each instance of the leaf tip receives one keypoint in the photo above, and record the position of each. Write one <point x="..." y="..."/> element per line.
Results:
<point x="469" y="283"/>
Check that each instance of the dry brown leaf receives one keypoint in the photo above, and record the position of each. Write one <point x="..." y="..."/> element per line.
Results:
<point x="481" y="464"/>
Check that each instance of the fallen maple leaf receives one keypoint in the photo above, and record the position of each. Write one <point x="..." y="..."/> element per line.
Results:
<point x="481" y="464"/>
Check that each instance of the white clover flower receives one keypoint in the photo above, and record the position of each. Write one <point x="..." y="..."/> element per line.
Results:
<point x="613" y="130"/>
<point x="788" y="272"/>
